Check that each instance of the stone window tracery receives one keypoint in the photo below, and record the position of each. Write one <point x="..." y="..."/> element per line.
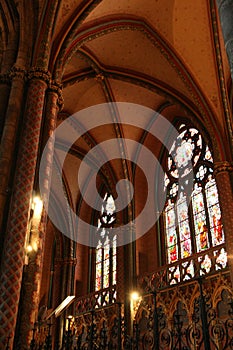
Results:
<point x="105" y="255"/>
<point x="192" y="225"/>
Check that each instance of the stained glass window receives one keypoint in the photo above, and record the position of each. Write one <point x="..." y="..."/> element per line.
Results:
<point x="192" y="225"/>
<point x="105" y="264"/>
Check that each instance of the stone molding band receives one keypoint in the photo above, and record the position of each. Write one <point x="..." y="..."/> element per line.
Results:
<point x="39" y="73"/>
<point x="224" y="166"/>
<point x="34" y="73"/>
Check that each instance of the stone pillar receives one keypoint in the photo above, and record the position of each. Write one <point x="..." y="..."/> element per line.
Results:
<point x="31" y="279"/>
<point x="5" y="84"/>
<point x="68" y="266"/>
<point x="54" y="104"/>
<point x="222" y="172"/>
<point x="56" y="300"/>
<point x="14" y="250"/>
<point x="129" y="278"/>
<point x="10" y="133"/>
<point x="225" y="9"/>
<point x="33" y="272"/>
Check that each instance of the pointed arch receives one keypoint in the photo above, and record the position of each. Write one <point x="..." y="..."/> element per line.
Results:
<point x="192" y="224"/>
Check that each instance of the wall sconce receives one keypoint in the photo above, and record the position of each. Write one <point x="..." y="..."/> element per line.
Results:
<point x="135" y="296"/>
<point x="31" y="242"/>
<point x="135" y="300"/>
<point x="29" y="249"/>
<point x="37" y="206"/>
<point x="69" y="322"/>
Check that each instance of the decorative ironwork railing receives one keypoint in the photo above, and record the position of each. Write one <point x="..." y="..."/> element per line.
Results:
<point x="184" y="306"/>
<point x="196" y="317"/>
<point x="96" y="329"/>
<point x="184" y="318"/>
<point x="201" y="324"/>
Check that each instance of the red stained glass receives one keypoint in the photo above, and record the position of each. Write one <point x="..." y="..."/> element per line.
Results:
<point x="193" y="225"/>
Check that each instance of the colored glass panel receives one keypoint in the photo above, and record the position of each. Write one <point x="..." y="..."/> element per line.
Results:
<point x="98" y="276"/>
<point x="196" y="225"/>
<point x="186" y="248"/>
<point x="106" y="253"/>
<point x="172" y="249"/>
<point x="201" y="173"/>
<point x="182" y="208"/>
<point x="106" y="250"/>
<point x="184" y="153"/>
<point x="172" y="246"/>
<point x="99" y="255"/>
<point x="197" y="200"/>
<point x="216" y="228"/>
<point x="184" y="229"/>
<point x="214" y="211"/>
<point x="221" y="260"/>
<point x="206" y="265"/>
<point x="106" y="267"/>
<point x="174" y="274"/>
<point x="200" y="225"/>
<point x="170" y="216"/>
<point x="114" y="277"/>
<point x="208" y="155"/>
<point x="211" y="192"/>
<point x="106" y="281"/>
<point x="188" y="270"/>
<point x="202" y="240"/>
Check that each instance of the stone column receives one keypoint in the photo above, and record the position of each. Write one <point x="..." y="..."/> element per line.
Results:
<point x="54" y="104"/>
<point x="5" y="84"/>
<point x="225" y="9"/>
<point x="33" y="271"/>
<point x="31" y="279"/>
<point x="68" y="266"/>
<point x="222" y="172"/>
<point x="10" y="133"/>
<point x="14" y="250"/>
<point x="129" y="278"/>
<point x="56" y="300"/>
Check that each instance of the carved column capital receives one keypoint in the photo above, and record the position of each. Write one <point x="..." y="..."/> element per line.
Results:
<point x="56" y="87"/>
<point x="39" y="73"/>
<point x="220" y="167"/>
<point x="17" y="72"/>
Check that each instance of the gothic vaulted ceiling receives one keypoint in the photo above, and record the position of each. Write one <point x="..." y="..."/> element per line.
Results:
<point x="167" y="55"/>
<point x="164" y="54"/>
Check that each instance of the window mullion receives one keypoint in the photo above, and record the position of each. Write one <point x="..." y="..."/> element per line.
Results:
<point x="102" y="268"/>
<point x="177" y="233"/>
<point x="207" y="216"/>
<point x="110" y="266"/>
<point x="192" y="228"/>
